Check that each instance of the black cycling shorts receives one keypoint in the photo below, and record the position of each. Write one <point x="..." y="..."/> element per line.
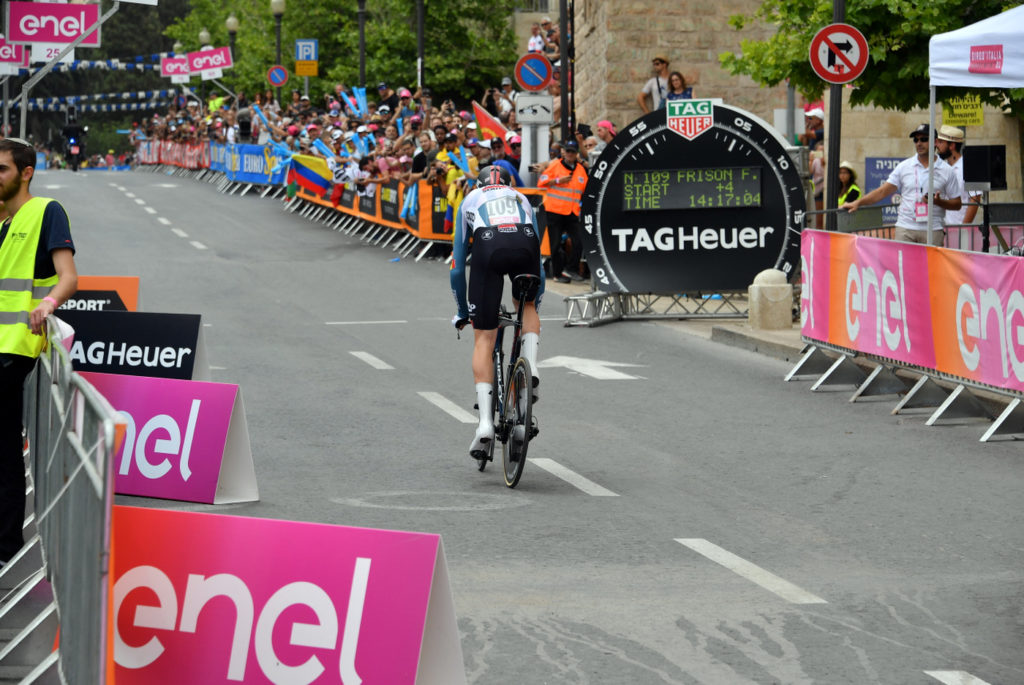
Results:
<point x="498" y="252"/>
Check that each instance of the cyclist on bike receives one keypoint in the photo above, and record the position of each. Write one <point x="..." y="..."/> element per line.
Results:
<point x="497" y="226"/>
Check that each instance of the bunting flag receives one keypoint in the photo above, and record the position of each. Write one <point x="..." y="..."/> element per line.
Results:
<point x="488" y="126"/>
<point x="107" y="64"/>
<point x="75" y="99"/>
<point x="310" y="173"/>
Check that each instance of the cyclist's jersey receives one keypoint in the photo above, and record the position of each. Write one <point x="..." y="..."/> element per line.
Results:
<point x="498" y="212"/>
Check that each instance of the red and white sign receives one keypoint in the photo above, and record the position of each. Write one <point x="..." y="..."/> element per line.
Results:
<point x="986" y="59"/>
<point x="49" y="22"/>
<point x="690" y="118"/>
<point x="206" y="598"/>
<point x="185" y="440"/>
<point x="839" y="53"/>
<point x="210" y="62"/>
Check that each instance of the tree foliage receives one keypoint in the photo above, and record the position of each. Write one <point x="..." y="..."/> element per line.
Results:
<point x="468" y="43"/>
<point x="897" y="32"/>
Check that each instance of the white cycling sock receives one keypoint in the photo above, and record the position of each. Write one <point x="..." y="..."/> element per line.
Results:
<point x="485" y="401"/>
<point x="530" y="343"/>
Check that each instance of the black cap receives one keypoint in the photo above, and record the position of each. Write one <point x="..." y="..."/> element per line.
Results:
<point x="923" y="128"/>
<point x="571" y="145"/>
<point x="451" y="138"/>
<point x="382" y="86"/>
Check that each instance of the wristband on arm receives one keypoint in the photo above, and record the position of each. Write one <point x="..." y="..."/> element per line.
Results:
<point x="56" y="305"/>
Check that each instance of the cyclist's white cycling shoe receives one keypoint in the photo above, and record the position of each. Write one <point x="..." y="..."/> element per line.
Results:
<point x="481" y="442"/>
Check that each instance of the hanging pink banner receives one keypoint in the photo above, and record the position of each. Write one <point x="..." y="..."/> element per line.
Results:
<point x="203" y="60"/>
<point x="50" y="22"/>
<point x="204" y="598"/>
<point x="174" y="66"/>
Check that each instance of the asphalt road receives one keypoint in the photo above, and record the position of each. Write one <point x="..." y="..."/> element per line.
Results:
<point x="717" y="524"/>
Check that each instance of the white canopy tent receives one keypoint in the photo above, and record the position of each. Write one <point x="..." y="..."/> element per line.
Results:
<point x="986" y="54"/>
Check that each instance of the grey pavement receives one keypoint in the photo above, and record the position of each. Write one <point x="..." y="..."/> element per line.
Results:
<point x="743" y="529"/>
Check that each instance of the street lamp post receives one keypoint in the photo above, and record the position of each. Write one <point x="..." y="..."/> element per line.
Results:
<point x="231" y="23"/>
<point x="277" y="9"/>
<point x="362" y="43"/>
<point x="204" y="39"/>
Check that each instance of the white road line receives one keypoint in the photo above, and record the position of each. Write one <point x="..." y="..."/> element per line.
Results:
<point x="122" y="188"/>
<point x="178" y="232"/>
<point x="127" y="194"/>
<point x="571" y="477"/>
<point x="449" y="407"/>
<point x="139" y="201"/>
<point x="165" y="221"/>
<point x="150" y="210"/>
<point x="372" y="361"/>
<point x="198" y="245"/>
<point x="755" y="574"/>
<point x="955" y="678"/>
<point x="361" y="323"/>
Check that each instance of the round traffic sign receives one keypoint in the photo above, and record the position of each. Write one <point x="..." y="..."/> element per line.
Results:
<point x="533" y="72"/>
<point x="277" y="75"/>
<point x="839" y="53"/>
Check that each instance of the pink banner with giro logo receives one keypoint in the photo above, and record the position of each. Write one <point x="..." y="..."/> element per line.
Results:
<point x="51" y="22"/>
<point x="960" y="313"/>
<point x="204" y="598"/>
<point x="185" y="440"/>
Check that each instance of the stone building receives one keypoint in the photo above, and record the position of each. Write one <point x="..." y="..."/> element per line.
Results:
<point x="616" y="40"/>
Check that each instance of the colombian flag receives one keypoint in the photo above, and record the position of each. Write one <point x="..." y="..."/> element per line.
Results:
<point x="488" y="126"/>
<point x="311" y="173"/>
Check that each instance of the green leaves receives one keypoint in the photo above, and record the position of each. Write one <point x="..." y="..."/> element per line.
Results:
<point x="897" y="31"/>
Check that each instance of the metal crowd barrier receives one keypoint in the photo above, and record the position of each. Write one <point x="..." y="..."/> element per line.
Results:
<point x="53" y="594"/>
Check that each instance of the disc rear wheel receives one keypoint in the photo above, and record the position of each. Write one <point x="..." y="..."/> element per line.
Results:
<point x="516" y="419"/>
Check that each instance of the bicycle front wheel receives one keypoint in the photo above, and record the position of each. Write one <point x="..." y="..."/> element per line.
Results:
<point x="517" y="417"/>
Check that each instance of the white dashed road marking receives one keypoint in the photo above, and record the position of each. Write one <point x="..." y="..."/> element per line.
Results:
<point x="448" y="407"/>
<point x="955" y="678"/>
<point x="164" y="221"/>
<point x="150" y="210"/>
<point x="571" y="477"/>
<point x="128" y="194"/>
<point x="178" y="232"/>
<point x="139" y="201"/>
<point x="361" y="323"/>
<point x="372" y="361"/>
<point x="198" y="245"/>
<point x="755" y="574"/>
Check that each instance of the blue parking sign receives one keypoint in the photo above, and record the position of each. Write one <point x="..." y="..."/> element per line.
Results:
<point x="307" y="49"/>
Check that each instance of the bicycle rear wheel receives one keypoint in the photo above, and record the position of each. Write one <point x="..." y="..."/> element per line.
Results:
<point x="517" y="417"/>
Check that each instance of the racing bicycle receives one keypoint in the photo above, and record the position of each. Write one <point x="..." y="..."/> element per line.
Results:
<point x="514" y="426"/>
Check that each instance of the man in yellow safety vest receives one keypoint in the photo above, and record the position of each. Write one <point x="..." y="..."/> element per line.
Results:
<point x="37" y="274"/>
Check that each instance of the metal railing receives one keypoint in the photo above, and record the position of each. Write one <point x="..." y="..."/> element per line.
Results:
<point x="1002" y="227"/>
<point x="71" y="431"/>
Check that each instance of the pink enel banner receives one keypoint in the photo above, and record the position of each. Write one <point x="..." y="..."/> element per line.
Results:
<point x="50" y="22"/>
<point x="960" y="313"/>
<point x="11" y="54"/>
<point x="174" y="66"/>
<point x="217" y="58"/>
<point x="204" y="598"/>
<point x="185" y="440"/>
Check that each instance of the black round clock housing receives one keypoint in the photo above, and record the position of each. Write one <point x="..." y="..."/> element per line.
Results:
<point x="699" y="196"/>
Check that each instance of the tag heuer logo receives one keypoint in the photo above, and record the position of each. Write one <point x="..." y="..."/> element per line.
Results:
<point x="690" y="118"/>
